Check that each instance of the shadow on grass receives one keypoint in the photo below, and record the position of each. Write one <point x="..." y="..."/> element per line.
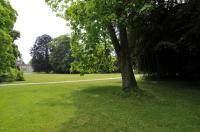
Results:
<point x="64" y="103"/>
<point x="172" y="84"/>
<point x="104" y="108"/>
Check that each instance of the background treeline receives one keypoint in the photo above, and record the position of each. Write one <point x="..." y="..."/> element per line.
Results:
<point x="60" y="56"/>
<point x="166" y="39"/>
<point x="8" y="50"/>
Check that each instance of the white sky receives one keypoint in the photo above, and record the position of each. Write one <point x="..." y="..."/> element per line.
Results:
<point x="34" y="19"/>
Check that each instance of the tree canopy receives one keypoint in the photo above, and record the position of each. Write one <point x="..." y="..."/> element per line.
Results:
<point x="8" y="51"/>
<point x="60" y="54"/>
<point x="40" y="53"/>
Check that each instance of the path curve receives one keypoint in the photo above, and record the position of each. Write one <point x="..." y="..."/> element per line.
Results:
<point x="58" y="82"/>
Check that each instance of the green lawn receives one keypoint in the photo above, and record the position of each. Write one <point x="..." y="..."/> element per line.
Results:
<point x="36" y="77"/>
<point x="172" y="106"/>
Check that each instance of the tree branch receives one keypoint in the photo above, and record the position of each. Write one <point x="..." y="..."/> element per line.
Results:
<point x="114" y="39"/>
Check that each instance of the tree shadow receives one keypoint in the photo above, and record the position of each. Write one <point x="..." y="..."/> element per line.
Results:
<point x="172" y="84"/>
<point x="105" y="108"/>
<point x="95" y="105"/>
<point x="51" y="102"/>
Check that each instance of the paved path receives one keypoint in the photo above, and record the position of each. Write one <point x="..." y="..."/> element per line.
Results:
<point x="72" y="81"/>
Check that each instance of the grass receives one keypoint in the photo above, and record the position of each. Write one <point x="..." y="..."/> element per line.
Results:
<point x="40" y="77"/>
<point x="171" y="106"/>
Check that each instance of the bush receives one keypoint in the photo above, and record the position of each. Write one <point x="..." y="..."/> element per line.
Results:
<point x="12" y="75"/>
<point x="20" y="76"/>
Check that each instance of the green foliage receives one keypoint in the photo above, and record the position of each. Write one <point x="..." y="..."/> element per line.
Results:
<point x="8" y="50"/>
<point x="60" y="54"/>
<point x="15" y="74"/>
<point x="164" y="40"/>
<point x="92" y="59"/>
<point x="100" y="22"/>
<point x="15" y="34"/>
<point x="89" y="21"/>
<point x="12" y="75"/>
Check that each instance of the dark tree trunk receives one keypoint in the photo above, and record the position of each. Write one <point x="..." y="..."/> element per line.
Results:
<point x="122" y="50"/>
<point x="131" y="41"/>
<point x="128" y="78"/>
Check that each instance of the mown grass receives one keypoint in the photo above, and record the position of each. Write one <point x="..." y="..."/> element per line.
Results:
<point x="42" y="77"/>
<point x="171" y="106"/>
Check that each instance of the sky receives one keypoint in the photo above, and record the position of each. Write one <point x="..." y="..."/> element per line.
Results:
<point x="34" y="19"/>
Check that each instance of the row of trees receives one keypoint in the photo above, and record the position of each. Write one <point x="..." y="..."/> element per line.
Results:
<point x="51" y="54"/>
<point x="8" y="50"/>
<point x="59" y="56"/>
<point x="167" y="40"/>
<point x="158" y="37"/>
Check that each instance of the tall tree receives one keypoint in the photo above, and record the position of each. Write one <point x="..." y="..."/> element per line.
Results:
<point x="40" y="53"/>
<point x="91" y="19"/>
<point x="8" y="51"/>
<point x="60" y="54"/>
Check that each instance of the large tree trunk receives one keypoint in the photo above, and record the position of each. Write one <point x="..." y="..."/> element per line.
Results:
<point x="131" y="41"/>
<point x="128" y="78"/>
<point x="122" y="50"/>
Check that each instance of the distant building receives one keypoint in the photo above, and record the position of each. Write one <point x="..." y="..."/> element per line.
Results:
<point x="24" y="67"/>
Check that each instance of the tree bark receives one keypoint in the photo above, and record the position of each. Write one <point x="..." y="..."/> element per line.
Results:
<point x="131" y="41"/>
<point x="122" y="50"/>
<point x="128" y="77"/>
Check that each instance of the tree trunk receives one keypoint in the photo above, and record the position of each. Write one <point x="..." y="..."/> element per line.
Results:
<point x="122" y="50"/>
<point x="128" y="77"/>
